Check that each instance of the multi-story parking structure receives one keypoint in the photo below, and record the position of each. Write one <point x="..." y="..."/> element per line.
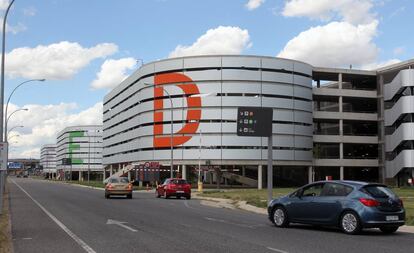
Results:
<point x="48" y="160"/>
<point x="327" y="122"/>
<point x="79" y="152"/>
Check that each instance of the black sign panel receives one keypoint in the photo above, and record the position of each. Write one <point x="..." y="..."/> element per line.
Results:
<point x="66" y="161"/>
<point x="254" y="121"/>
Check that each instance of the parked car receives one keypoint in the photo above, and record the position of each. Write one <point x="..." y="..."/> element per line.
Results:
<point x="174" y="187"/>
<point x="349" y="205"/>
<point x="118" y="186"/>
<point x="19" y="175"/>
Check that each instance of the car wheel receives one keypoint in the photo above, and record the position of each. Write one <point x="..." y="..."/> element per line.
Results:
<point x="107" y="196"/>
<point x="157" y="194"/>
<point x="280" y="217"/>
<point x="350" y="223"/>
<point x="388" y="229"/>
<point x="129" y="196"/>
<point x="188" y="197"/>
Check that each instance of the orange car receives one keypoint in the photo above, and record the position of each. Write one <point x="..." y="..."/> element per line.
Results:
<point x="118" y="186"/>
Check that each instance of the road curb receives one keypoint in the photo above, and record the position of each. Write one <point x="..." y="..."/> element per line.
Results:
<point x="230" y="204"/>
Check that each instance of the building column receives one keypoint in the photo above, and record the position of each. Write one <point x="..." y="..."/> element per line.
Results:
<point x="129" y="176"/>
<point x="341" y="173"/>
<point x="340" y="80"/>
<point x="184" y="171"/>
<point x="310" y="174"/>
<point x="80" y="176"/>
<point x="260" y="177"/>
<point x="243" y="171"/>
<point x="341" y="127"/>
<point x="111" y="171"/>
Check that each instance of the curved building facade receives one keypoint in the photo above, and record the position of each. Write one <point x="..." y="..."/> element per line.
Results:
<point x="205" y="92"/>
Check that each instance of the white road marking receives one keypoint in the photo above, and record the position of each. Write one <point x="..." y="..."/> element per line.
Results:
<point x="231" y="223"/>
<point x="27" y="238"/>
<point x="79" y="241"/>
<point x="187" y="205"/>
<point x="121" y="224"/>
<point x="277" y="250"/>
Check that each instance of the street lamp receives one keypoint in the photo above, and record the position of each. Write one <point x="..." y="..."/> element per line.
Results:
<point x="16" y="135"/>
<point x="8" y="101"/>
<point x="2" y="70"/>
<point x="11" y="129"/>
<point x="8" y="118"/>
<point x="172" y="133"/>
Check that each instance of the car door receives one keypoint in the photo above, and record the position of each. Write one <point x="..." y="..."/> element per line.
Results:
<point x="161" y="188"/>
<point x="328" y="205"/>
<point x="300" y="207"/>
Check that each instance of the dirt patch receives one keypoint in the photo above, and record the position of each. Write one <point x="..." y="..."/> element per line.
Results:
<point x="5" y="226"/>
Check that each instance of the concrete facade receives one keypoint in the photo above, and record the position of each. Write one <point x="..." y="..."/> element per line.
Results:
<point x="326" y="121"/>
<point x="79" y="152"/>
<point x="48" y="159"/>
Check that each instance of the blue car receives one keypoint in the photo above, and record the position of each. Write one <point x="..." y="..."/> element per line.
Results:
<point x="349" y="205"/>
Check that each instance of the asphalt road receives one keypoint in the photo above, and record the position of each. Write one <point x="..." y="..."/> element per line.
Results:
<point x="56" y="217"/>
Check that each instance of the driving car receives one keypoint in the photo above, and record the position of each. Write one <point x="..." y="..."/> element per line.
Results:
<point x="174" y="187"/>
<point x="349" y="205"/>
<point x="118" y="186"/>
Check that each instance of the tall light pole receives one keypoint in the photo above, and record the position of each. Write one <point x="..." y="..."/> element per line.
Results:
<point x="2" y="68"/>
<point x="11" y="129"/>
<point x="8" y="101"/>
<point x="7" y="120"/>
<point x="172" y="133"/>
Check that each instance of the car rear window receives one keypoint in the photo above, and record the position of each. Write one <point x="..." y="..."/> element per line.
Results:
<point x="178" y="181"/>
<point x="119" y="180"/>
<point x="378" y="191"/>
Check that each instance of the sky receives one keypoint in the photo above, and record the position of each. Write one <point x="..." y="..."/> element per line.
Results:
<point x="85" y="48"/>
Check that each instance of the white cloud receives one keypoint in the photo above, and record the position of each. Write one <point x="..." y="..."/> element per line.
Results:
<point x="352" y="11"/>
<point x="55" y="61"/>
<point x="221" y="40"/>
<point x="4" y="4"/>
<point x="113" y="72"/>
<point x="30" y="11"/>
<point x="43" y="122"/>
<point x="336" y="44"/>
<point x="254" y="4"/>
<point x="15" y="29"/>
<point x="398" y="50"/>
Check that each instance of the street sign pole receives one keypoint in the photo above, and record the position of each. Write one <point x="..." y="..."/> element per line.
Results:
<point x="258" y="122"/>
<point x="269" y="169"/>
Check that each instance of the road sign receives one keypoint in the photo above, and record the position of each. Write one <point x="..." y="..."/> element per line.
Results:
<point x="66" y="161"/>
<point x="257" y="121"/>
<point x="3" y="155"/>
<point x="254" y="121"/>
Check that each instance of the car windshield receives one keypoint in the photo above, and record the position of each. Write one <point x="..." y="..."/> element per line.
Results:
<point x="119" y="180"/>
<point x="378" y="191"/>
<point x="178" y="181"/>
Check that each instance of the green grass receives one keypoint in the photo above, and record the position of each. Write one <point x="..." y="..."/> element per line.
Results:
<point x="258" y="198"/>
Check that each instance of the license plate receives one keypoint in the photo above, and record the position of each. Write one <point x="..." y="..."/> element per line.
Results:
<point x="392" y="218"/>
<point x="180" y="191"/>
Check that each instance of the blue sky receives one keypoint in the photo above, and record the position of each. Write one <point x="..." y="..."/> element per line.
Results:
<point x="365" y="33"/>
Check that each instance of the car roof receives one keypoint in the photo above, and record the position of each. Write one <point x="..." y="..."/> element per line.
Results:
<point x="349" y="182"/>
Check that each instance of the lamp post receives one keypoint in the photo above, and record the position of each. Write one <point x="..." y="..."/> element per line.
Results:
<point x="11" y="129"/>
<point x="8" y="118"/>
<point x="8" y="101"/>
<point x="172" y="133"/>
<point x="16" y="135"/>
<point x="2" y="68"/>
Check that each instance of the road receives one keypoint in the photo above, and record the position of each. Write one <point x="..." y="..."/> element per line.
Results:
<point x="56" y="217"/>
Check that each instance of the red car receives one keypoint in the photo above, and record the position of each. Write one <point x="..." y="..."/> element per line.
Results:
<point x="174" y="187"/>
